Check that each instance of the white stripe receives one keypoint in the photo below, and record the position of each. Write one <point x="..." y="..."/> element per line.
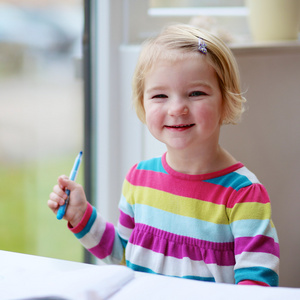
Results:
<point x="245" y="172"/>
<point x="124" y="232"/>
<point x="172" y="266"/>
<point x="93" y="237"/>
<point x="257" y="259"/>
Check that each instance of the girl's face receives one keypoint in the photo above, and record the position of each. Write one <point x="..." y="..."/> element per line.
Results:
<point x="183" y="103"/>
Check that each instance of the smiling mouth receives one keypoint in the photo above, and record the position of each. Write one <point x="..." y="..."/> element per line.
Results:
<point x="186" y="126"/>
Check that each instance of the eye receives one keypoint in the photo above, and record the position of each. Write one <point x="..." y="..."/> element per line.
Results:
<point x="197" y="94"/>
<point x="160" y="96"/>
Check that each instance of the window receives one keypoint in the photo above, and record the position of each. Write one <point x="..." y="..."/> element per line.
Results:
<point x="41" y="132"/>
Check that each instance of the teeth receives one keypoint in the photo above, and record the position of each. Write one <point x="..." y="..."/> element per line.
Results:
<point x="182" y="126"/>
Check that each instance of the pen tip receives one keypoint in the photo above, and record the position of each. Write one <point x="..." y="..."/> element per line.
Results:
<point x="80" y="152"/>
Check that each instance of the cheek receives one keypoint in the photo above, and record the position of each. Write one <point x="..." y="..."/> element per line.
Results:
<point x="209" y="115"/>
<point x="153" y="116"/>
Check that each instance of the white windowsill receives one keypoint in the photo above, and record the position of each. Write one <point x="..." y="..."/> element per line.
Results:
<point x="267" y="47"/>
<point x="236" y="11"/>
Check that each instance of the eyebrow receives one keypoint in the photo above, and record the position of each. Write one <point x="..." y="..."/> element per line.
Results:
<point x="196" y="84"/>
<point x="154" y="89"/>
<point x="200" y="83"/>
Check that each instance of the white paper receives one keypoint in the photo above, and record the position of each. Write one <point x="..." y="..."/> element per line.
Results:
<point x="155" y="287"/>
<point x="25" y="276"/>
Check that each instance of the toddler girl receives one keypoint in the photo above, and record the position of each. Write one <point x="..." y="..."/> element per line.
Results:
<point x="195" y="212"/>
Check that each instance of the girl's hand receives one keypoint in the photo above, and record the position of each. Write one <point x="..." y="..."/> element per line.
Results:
<point x="77" y="204"/>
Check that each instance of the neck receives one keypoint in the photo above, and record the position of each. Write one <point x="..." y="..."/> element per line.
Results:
<point x="200" y="162"/>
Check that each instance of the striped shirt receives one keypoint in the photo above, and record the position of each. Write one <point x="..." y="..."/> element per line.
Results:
<point x="213" y="227"/>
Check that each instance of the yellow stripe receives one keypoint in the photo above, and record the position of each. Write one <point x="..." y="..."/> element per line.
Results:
<point x="272" y="224"/>
<point x="127" y="192"/>
<point x="183" y="206"/>
<point x="195" y="208"/>
<point x="249" y="210"/>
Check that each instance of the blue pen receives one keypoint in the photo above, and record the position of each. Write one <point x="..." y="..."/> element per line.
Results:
<point x="62" y="209"/>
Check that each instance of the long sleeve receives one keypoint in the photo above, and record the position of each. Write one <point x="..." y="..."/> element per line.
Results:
<point x="99" y="237"/>
<point x="256" y="244"/>
<point x="126" y="220"/>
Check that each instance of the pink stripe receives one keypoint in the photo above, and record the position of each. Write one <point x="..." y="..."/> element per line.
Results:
<point x="83" y="221"/>
<point x="126" y="220"/>
<point x="193" y="186"/>
<point x="105" y="246"/>
<point x="191" y="189"/>
<point x="180" y="246"/>
<point x="255" y="193"/>
<point x="252" y="282"/>
<point x="259" y="243"/>
<point x="200" y="190"/>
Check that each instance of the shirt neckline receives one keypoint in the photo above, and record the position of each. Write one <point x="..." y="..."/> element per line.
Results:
<point x="206" y="176"/>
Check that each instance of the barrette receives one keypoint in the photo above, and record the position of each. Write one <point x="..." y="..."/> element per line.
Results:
<point x="202" y="46"/>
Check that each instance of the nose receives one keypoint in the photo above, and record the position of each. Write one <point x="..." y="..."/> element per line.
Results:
<point x="178" y="107"/>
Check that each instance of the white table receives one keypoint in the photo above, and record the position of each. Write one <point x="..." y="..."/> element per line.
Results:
<point x="25" y="276"/>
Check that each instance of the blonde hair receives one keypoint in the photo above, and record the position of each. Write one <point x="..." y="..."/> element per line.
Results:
<point x="177" y="41"/>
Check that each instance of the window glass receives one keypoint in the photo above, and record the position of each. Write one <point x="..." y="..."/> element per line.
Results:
<point x="41" y="121"/>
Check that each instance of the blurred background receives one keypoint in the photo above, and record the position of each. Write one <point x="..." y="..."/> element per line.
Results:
<point x="41" y="120"/>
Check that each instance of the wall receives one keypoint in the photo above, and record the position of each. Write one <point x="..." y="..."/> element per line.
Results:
<point x="268" y="141"/>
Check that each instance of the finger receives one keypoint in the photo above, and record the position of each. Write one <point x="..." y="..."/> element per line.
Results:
<point x="59" y="191"/>
<point x="65" y="183"/>
<point x="61" y="180"/>
<point x="56" y="198"/>
<point x="53" y="205"/>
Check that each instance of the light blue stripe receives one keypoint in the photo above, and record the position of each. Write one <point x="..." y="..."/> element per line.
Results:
<point x="125" y="207"/>
<point x="233" y="180"/>
<point x="123" y="242"/>
<point x="253" y="227"/>
<point x="258" y="274"/>
<point x="118" y="250"/>
<point x="153" y="164"/>
<point x="182" y="225"/>
<point x="147" y="270"/>
<point x="88" y="226"/>
<point x="139" y="268"/>
<point x="210" y="279"/>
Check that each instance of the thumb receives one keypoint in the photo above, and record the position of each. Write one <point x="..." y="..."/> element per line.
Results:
<point x="65" y="183"/>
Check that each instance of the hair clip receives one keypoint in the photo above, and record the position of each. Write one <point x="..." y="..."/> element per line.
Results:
<point x="202" y="46"/>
